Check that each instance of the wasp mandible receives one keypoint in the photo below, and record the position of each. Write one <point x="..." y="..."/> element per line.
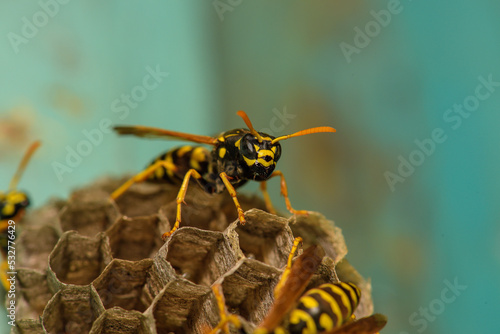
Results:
<point x="237" y="156"/>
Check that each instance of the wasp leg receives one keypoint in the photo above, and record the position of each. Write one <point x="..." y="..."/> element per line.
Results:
<point x="180" y="199"/>
<point x="284" y="192"/>
<point x="267" y="199"/>
<point x="288" y="267"/>
<point x="225" y="318"/>
<point x="140" y="177"/>
<point x="232" y="192"/>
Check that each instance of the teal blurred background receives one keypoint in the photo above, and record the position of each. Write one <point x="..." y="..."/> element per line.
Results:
<point x="387" y="75"/>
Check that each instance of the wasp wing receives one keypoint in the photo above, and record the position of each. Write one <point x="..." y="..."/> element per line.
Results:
<point x="150" y="132"/>
<point x="368" y="325"/>
<point x="302" y="270"/>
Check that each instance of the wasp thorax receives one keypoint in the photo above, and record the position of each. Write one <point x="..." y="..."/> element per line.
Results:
<point x="260" y="156"/>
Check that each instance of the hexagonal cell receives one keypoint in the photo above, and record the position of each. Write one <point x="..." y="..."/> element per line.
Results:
<point x="160" y="286"/>
<point x="35" y="291"/>
<point x="122" y="284"/>
<point x="248" y="288"/>
<point x="315" y="229"/>
<point x="77" y="259"/>
<point x="88" y="217"/>
<point x="199" y="256"/>
<point x="184" y="307"/>
<point x="73" y="309"/>
<point x="265" y="237"/>
<point x="34" y="246"/>
<point x="136" y="238"/>
<point x="119" y="321"/>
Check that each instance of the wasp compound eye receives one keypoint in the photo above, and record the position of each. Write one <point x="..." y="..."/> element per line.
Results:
<point x="277" y="152"/>
<point x="246" y="147"/>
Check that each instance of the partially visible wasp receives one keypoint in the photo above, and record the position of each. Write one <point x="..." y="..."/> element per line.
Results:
<point x="327" y="309"/>
<point x="237" y="156"/>
<point x="12" y="207"/>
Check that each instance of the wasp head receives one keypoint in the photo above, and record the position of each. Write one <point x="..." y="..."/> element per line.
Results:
<point x="259" y="155"/>
<point x="260" y="151"/>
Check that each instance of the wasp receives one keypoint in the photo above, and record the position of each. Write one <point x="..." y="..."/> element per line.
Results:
<point x="12" y="207"/>
<point x="237" y="156"/>
<point x="327" y="309"/>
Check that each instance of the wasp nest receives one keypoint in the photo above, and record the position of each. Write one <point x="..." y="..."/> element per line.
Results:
<point x="90" y="265"/>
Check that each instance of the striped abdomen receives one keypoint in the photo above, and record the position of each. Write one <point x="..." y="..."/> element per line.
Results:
<point x="184" y="158"/>
<point x="324" y="308"/>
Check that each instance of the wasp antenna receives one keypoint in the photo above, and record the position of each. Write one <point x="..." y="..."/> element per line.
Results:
<point x="305" y="132"/>
<point x="243" y="115"/>
<point x="22" y="165"/>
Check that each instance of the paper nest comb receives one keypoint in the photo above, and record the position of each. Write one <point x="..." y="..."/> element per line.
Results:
<point x="90" y="265"/>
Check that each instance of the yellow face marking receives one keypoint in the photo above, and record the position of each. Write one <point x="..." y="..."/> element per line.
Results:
<point x="197" y="156"/>
<point x="237" y="143"/>
<point x="262" y="154"/>
<point x="183" y="150"/>
<point x="265" y="163"/>
<point x="299" y="315"/>
<point x="325" y="321"/>
<point x="250" y="162"/>
<point x="330" y="300"/>
<point x="222" y="152"/>
<point x="273" y="149"/>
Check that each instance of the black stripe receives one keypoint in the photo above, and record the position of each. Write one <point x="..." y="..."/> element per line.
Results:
<point x="338" y="298"/>
<point x="327" y="309"/>
<point x="354" y="303"/>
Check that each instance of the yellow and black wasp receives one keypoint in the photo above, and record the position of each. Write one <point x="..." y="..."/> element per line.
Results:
<point x="12" y="207"/>
<point x="237" y="156"/>
<point x="327" y="309"/>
